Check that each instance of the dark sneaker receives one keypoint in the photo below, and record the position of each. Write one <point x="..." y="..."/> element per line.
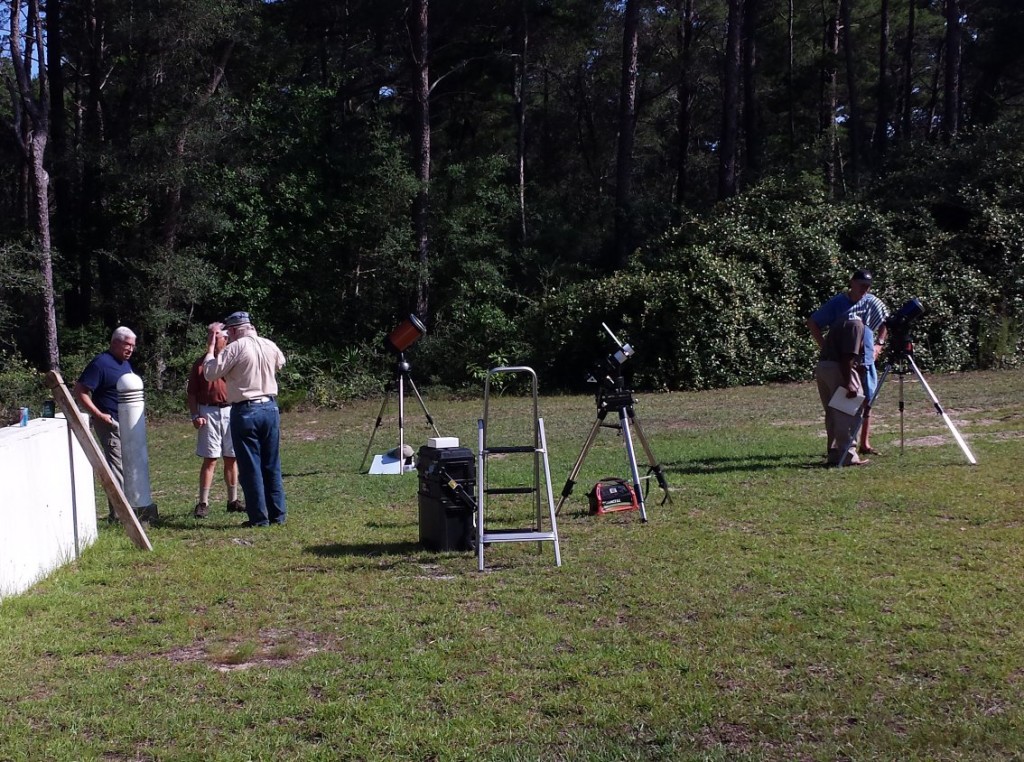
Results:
<point x="148" y="513"/>
<point x="235" y="506"/>
<point x="201" y="511"/>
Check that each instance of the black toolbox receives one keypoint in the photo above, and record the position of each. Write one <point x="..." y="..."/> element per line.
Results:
<point x="447" y="522"/>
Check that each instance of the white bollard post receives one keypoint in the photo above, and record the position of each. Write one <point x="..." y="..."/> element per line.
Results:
<point x="131" y="409"/>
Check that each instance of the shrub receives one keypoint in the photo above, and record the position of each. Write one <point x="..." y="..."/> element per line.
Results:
<point x="20" y="386"/>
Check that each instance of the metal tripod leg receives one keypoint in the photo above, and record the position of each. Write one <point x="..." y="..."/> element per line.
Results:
<point x="571" y="481"/>
<point x="400" y="381"/>
<point x="627" y="440"/>
<point x="401" y="423"/>
<point x="430" y="420"/>
<point x="938" y="409"/>
<point x="380" y="417"/>
<point x="654" y="466"/>
<point x="902" y="408"/>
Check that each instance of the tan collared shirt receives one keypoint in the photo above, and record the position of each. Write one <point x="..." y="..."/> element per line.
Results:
<point x="248" y="366"/>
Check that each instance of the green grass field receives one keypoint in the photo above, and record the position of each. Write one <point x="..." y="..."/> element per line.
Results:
<point x="775" y="610"/>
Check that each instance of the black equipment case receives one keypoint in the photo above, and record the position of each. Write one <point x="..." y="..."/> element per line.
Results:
<point x="447" y="522"/>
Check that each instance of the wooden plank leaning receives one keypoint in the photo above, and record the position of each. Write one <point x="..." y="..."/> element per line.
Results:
<point x="92" y="450"/>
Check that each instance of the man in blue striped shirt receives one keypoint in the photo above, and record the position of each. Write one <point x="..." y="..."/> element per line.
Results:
<point x="857" y="301"/>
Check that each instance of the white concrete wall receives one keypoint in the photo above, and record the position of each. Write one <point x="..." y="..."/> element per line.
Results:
<point x="47" y="502"/>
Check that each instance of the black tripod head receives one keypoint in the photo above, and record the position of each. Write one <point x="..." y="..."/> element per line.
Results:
<point x="608" y="375"/>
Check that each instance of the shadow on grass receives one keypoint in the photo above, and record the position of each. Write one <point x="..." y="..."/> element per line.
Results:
<point x="336" y="550"/>
<point x="213" y="522"/>
<point x="389" y="524"/>
<point x="740" y="463"/>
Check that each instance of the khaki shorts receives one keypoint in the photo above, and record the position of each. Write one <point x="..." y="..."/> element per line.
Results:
<point x="214" y="439"/>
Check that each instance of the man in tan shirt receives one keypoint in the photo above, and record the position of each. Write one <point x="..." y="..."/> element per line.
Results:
<point x="249" y="365"/>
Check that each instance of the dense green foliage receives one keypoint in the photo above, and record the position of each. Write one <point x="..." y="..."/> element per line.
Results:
<point x="286" y="186"/>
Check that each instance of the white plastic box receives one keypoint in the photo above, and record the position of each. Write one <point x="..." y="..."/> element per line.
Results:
<point x="47" y="504"/>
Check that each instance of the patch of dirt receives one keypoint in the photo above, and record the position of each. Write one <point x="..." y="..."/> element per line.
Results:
<point x="306" y="435"/>
<point x="678" y="425"/>
<point x="272" y="648"/>
<point x="932" y="441"/>
<point x="1007" y="435"/>
<point x="730" y="735"/>
<point x="433" y="571"/>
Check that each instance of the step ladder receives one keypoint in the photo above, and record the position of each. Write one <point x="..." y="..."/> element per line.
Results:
<point x="537" y="533"/>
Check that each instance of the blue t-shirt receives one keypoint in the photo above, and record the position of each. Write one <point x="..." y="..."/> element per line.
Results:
<point x="100" y="377"/>
<point x="840" y="306"/>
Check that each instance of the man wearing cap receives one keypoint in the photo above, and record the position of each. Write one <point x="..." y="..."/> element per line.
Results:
<point x="856" y="302"/>
<point x="211" y="416"/>
<point x="874" y="313"/>
<point x="249" y="365"/>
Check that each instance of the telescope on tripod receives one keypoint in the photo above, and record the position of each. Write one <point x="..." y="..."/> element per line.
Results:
<point x="899" y="359"/>
<point x="612" y="394"/>
<point x="404" y="335"/>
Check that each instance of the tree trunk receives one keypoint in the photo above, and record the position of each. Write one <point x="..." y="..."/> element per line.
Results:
<point x="882" y="119"/>
<point x="684" y="47"/>
<point x="951" y="93"/>
<point x="727" y="146"/>
<point x="753" y="156"/>
<point x="854" y="122"/>
<point x="933" y="100"/>
<point x="790" y="56"/>
<point x="419" y="15"/>
<point x="520" y="112"/>
<point x="627" y="129"/>
<point x="907" y="116"/>
<point x="829" y="86"/>
<point x="58" y="134"/>
<point x="32" y="118"/>
<point x="41" y="187"/>
<point x="170" y="224"/>
<point x="90" y="201"/>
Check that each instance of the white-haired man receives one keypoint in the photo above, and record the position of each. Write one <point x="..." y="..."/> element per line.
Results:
<point x="96" y="393"/>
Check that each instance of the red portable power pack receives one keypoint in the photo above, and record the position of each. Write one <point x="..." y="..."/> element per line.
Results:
<point x="611" y="495"/>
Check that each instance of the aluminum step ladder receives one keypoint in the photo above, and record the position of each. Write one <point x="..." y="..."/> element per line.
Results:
<point x="540" y="532"/>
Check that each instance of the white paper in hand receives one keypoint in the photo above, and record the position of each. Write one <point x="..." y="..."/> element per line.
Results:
<point x="844" y="404"/>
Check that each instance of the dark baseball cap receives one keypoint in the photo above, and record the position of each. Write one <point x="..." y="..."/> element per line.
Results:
<point x="236" y="318"/>
<point x="861" y="275"/>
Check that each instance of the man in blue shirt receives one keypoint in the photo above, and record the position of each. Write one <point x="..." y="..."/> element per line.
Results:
<point x="857" y="302"/>
<point x="96" y="393"/>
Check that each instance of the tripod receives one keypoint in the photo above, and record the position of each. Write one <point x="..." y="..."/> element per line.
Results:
<point x="402" y="375"/>
<point x="620" y="400"/>
<point x="900" y="363"/>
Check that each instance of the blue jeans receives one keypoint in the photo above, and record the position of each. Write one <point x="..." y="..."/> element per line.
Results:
<point x="869" y="377"/>
<point x="256" y="434"/>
